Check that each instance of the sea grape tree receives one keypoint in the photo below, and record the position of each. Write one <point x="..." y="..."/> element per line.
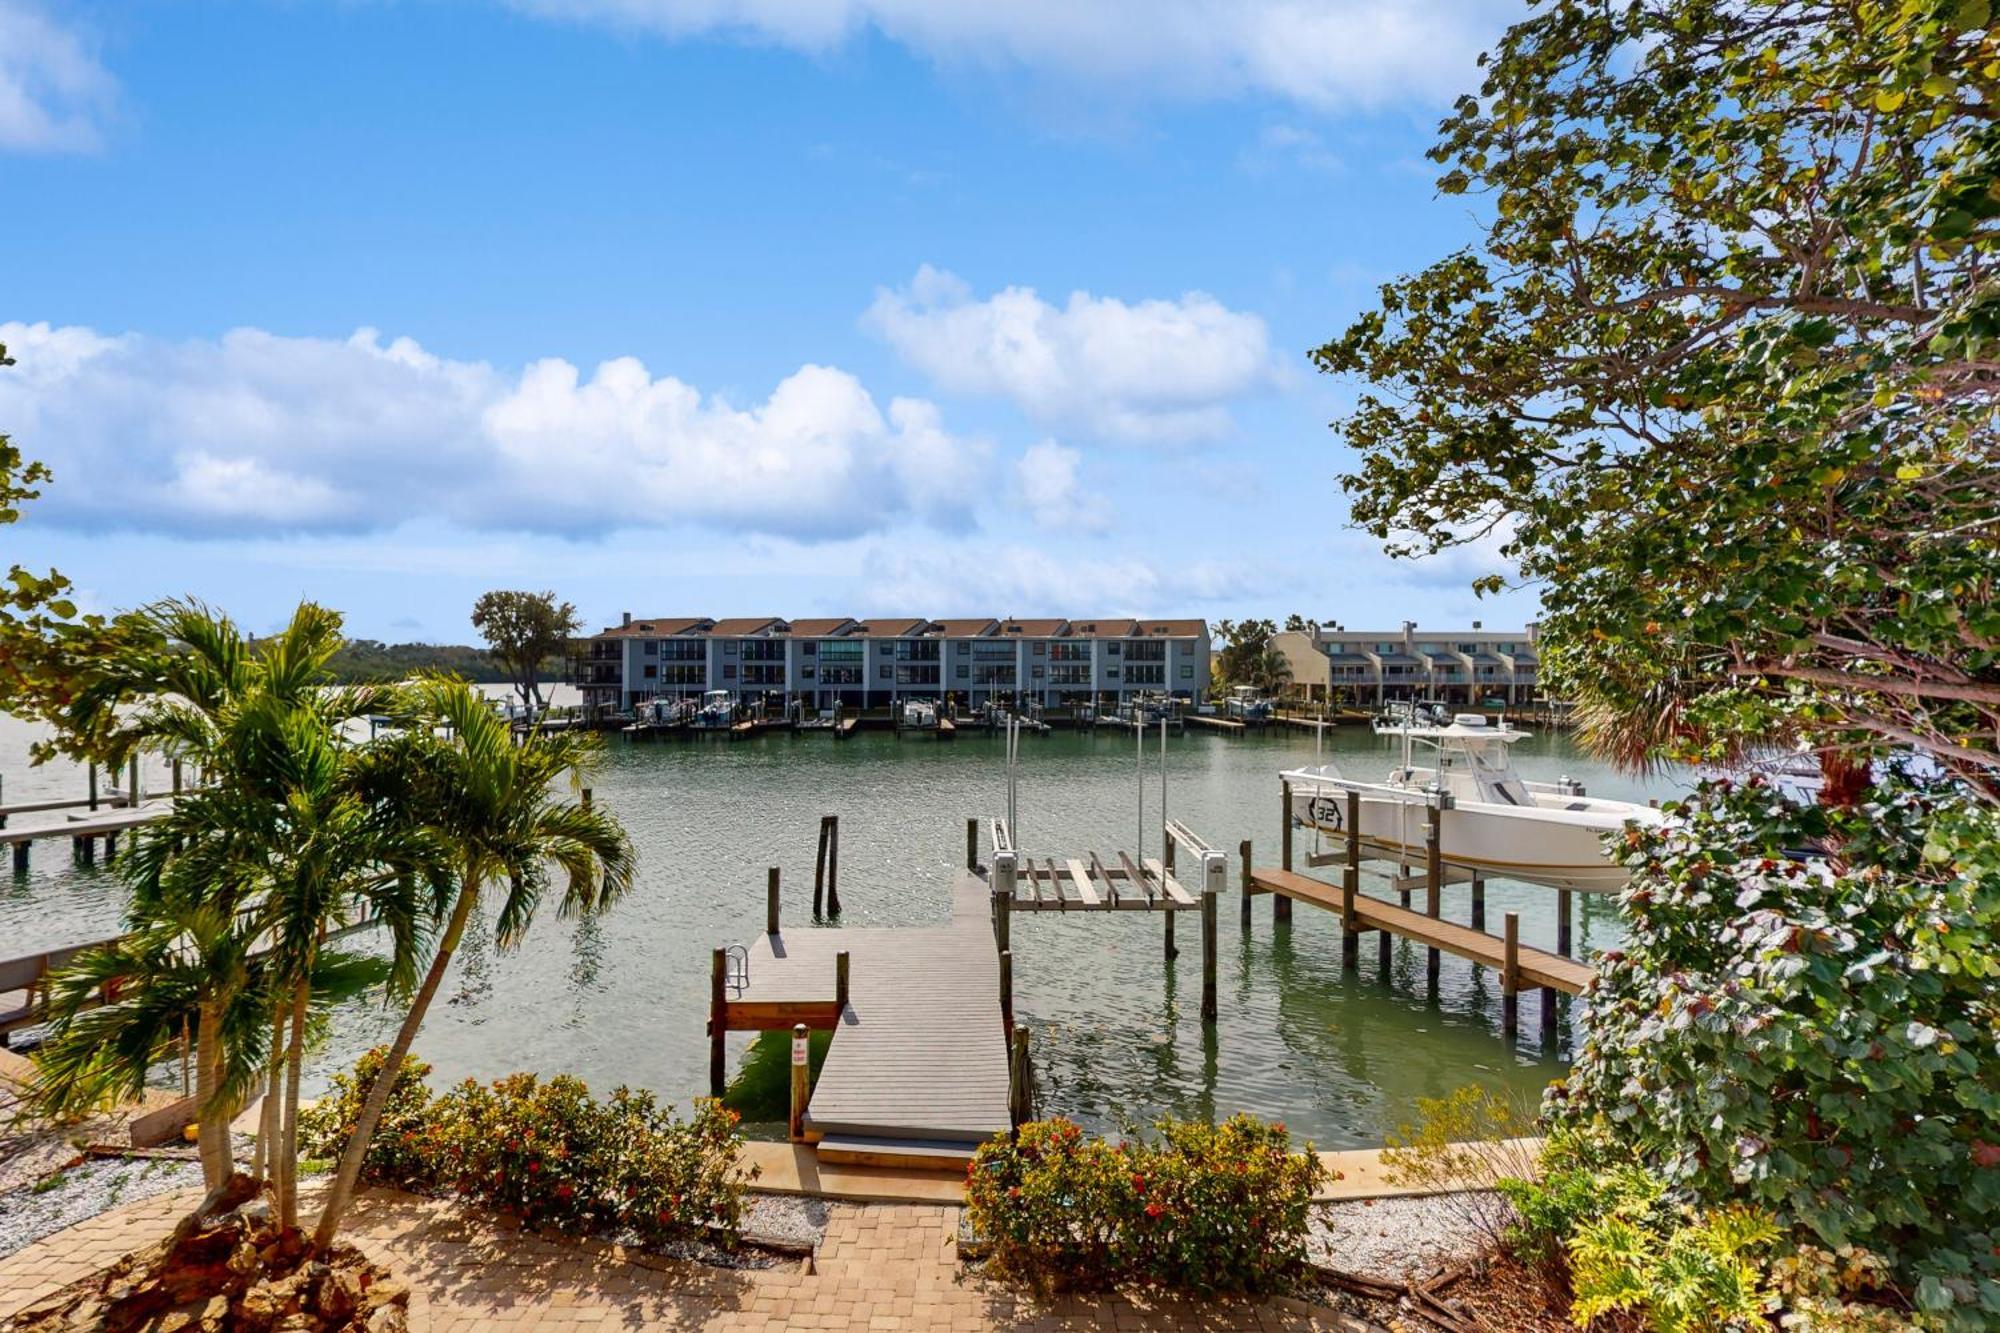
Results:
<point x="1719" y="371"/>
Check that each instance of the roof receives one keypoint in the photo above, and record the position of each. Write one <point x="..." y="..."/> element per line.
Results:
<point x="1033" y="629"/>
<point x="1173" y="628"/>
<point x="810" y="629"/>
<point x="1102" y="629"/>
<point x="744" y="625"/>
<point x="892" y="628"/>
<point x="964" y="629"/>
<point x="657" y="627"/>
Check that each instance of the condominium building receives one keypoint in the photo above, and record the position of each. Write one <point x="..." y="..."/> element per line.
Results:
<point x="1370" y="667"/>
<point x="878" y="663"/>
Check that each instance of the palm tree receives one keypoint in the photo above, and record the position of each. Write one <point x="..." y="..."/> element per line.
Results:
<point x="1270" y="670"/>
<point x="493" y="803"/>
<point x="236" y="887"/>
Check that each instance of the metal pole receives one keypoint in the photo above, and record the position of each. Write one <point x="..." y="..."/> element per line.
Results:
<point x="1433" y="882"/>
<point x="1139" y="734"/>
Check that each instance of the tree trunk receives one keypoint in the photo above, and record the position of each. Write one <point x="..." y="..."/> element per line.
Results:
<point x="288" y="1137"/>
<point x="342" y="1192"/>
<point x="211" y="1115"/>
<point x="267" y="1120"/>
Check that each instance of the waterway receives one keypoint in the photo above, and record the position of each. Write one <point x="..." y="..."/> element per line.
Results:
<point x="1341" y="1057"/>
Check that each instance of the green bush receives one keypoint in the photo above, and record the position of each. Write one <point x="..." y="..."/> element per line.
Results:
<point x="1205" y="1208"/>
<point x="1817" y="1040"/>
<point x="549" y="1152"/>
<point x="394" y="1154"/>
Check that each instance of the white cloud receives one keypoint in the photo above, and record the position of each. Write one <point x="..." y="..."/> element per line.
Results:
<point x="1048" y="484"/>
<point x="1279" y="146"/>
<point x="259" y="433"/>
<point x="1320" y="53"/>
<point x="1151" y="371"/>
<point x="53" y="93"/>
<point x="1021" y="580"/>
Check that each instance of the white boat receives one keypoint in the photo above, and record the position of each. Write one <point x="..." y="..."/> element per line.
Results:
<point x="920" y="714"/>
<point x="1496" y="823"/>
<point x="1399" y="714"/>
<point x="1247" y="703"/>
<point x="718" y="710"/>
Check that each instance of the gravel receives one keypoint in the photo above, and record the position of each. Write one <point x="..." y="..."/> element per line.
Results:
<point x="786" y="1217"/>
<point x="30" y="1212"/>
<point x="1401" y="1238"/>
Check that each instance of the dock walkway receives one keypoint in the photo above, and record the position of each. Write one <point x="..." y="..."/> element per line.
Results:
<point x="919" y="1050"/>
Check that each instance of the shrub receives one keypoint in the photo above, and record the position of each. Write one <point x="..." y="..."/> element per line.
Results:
<point x="1815" y="1039"/>
<point x="394" y="1155"/>
<point x="552" y="1154"/>
<point x="1206" y="1208"/>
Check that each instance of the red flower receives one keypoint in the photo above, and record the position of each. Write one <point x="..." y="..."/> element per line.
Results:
<point x="1154" y="1210"/>
<point x="1139" y="1183"/>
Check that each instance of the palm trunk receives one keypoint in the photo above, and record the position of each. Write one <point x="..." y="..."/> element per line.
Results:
<point x="342" y="1192"/>
<point x="288" y="1137"/>
<point x="267" y="1121"/>
<point x="211" y="1118"/>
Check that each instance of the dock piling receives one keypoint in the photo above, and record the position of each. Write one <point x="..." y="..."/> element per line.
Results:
<point x="1243" y="850"/>
<point x="1020" y="1081"/>
<point x="92" y="769"/>
<point x="132" y="783"/>
<point x="1433" y="884"/>
<point x="718" y="1029"/>
<point x="177" y="777"/>
<point x="21" y="858"/>
<point x="771" y="901"/>
<point x="1478" y="902"/>
<point x="801" y="1081"/>
<point x="833" y="867"/>
<point x="1210" y="893"/>
<point x="972" y="844"/>
<point x="1565" y="916"/>
<point x="1350" y="884"/>
<point x="1510" y="977"/>
<point x="1007" y="994"/>
<point x="819" y="871"/>
<point x="1281" y="906"/>
<point x="842" y="971"/>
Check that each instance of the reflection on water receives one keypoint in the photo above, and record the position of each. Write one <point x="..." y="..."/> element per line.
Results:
<point x="1117" y="1031"/>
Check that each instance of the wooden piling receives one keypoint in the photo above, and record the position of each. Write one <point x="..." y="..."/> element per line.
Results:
<point x="1510" y="976"/>
<point x="819" y="872"/>
<point x="801" y="1081"/>
<point x="972" y="844"/>
<point x="86" y="850"/>
<point x="833" y="867"/>
<point x="1433" y="884"/>
<point x="1478" y="902"/>
<point x="110" y="848"/>
<point x="177" y="777"/>
<point x="1565" y="918"/>
<point x="1003" y="918"/>
<point x="92" y="769"/>
<point x="1243" y="851"/>
<point x="21" y="858"/>
<point x="1281" y="906"/>
<point x="1007" y="994"/>
<point x="771" y="901"/>
<point x="1208" y="951"/>
<point x="843" y="970"/>
<point x="1548" y="1017"/>
<point x="1020" y="1081"/>
<point x="1350" y="884"/>
<point x="132" y="783"/>
<point x="718" y="1033"/>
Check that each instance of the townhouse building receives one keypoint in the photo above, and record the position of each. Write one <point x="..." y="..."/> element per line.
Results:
<point x="1367" y="668"/>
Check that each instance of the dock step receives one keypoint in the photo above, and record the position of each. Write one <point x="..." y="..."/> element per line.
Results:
<point x="907" y="1154"/>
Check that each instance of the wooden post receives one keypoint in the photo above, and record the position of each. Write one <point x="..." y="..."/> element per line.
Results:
<point x="1478" y="902"/>
<point x="842" y="970"/>
<point x="177" y="777"/>
<point x="1510" y="977"/>
<point x="1003" y="917"/>
<point x="86" y="850"/>
<point x="801" y="1080"/>
<point x="1565" y="913"/>
<point x="1207" y="952"/>
<point x="1548" y="1016"/>
<point x="819" y="872"/>
<point x="1433" y="883"/>
<point x="1350" y="886"/>
<point x="718" y="1000"/>
<point x="1007" y="994"/>
<point x="1020" y="1081"/>
<point x="132" y="782"/>
<point x="92" y="769"/>
<point x="833" y="867"/>
<point x="110" y="848"/>
<point x="1281" y="906"/>
<point x="771" y="901"/>
<point x="21" y="857"/>
<point x="1243" y="850"/>
<point x="972" y="844"/>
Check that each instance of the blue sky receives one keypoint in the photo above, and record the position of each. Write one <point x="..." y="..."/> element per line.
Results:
<point x="715" y="306"/>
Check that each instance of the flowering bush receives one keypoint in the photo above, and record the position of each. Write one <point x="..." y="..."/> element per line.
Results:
<point x="1205" y="1208"/>
<point x="394" y="1157"/>
<point x="552" y="1154"/>
<point x="1819" y="1039"/>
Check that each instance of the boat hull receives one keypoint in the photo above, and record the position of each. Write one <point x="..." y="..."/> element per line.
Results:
<point x="1494" y="841"/>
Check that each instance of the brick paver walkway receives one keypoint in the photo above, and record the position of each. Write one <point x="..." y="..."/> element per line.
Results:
<point x="885" y="1267"/>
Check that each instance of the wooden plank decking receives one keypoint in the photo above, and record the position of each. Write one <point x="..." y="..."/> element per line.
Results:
<point x="1537" y="968"/>
<point x="919" y="1051"/>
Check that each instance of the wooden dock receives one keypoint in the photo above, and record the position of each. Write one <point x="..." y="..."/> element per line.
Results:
<point x="1228" y="724"/>
<point x="82" y="830"/>
<point x="918" y="1069"/>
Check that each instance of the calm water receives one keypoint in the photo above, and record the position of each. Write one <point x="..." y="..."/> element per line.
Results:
<point x="1117" y="1031"/>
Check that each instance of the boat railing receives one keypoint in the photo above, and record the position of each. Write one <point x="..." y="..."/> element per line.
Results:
<point x="1318" y="782"/>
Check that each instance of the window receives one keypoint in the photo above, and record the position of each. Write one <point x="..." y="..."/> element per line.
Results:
<point x="918" y="674"/>
<point x="684" y="650"/>
<point x="1146" y="674"/>
<point x="810" y="646"/>
<point x="763" y="673"/>
<point x="1146" y="652"/>
<point x="1038" y="671"/>
<point x="652" y="648"/>
<point x="1070" y="652"/>
<point x="916" y="650"/>
<point x="652" y="672"/>
<point x="1041" y="648"/>
<point x="1187" y="672"/>
<point x="1068" y="673"/>
<point x="1112" y="674"/>
<point x="729" y="671"/>
<point x="730" y="648"/>
<point x="964" y="670"/>
<point x="763" y="650"/>
<point x="888" y="672"/>
<point x="806" y="672"/>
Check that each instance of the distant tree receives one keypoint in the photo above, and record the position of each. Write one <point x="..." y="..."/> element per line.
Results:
<point x="1298" y="624"/>
<point x="1720" y="375"/>
<point x="524" y="630"/>
<point x="1270" y="671"/>
<point x="370" y="661"/>
<point x="1244" y="643"/>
